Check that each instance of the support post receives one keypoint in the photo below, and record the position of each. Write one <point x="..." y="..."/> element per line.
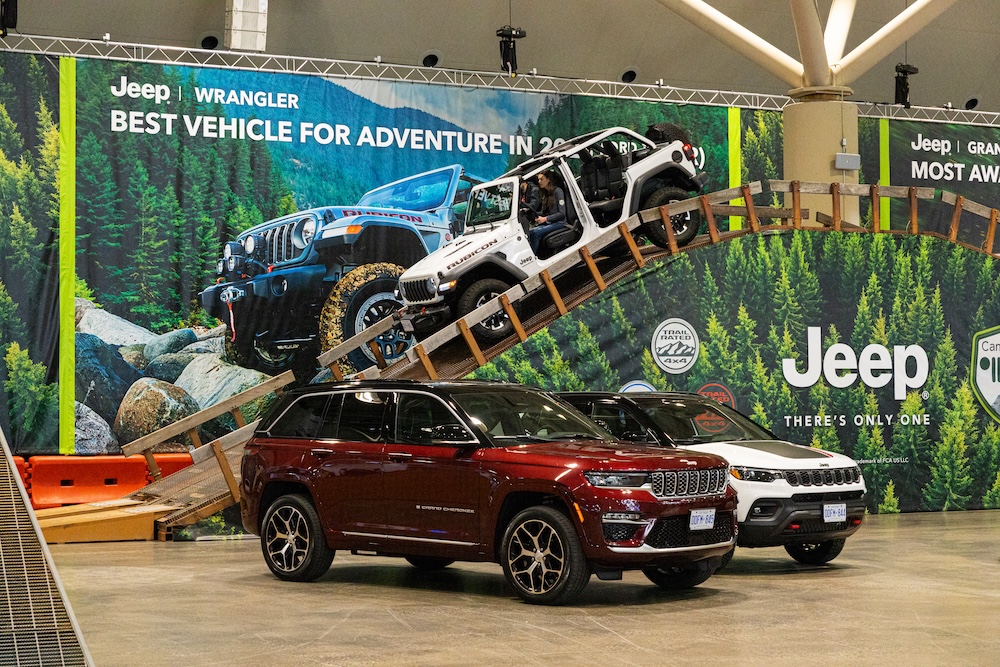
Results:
<point x="508" y="308"/>
<point x="338" y="375"/>
<point x="195" y="439"/>
<point x="623" y="229"/>
<point x="713" y="231"/>
<point x="598" y="278"/>
<point x="425" y="361"/>
<point x="154" y="468"/>
<point x="796" y="206"/>
<point x="238" y="417"/>
<point x="227" y="472"/>
<point x="751" y="211"/>
<point x="377" y="351"/>
<point x="876" y="209"/>
<point x="553" y="292"/>
<point x="991" y="232"/>
<point x="669" y="228"/>
<point x="470" y="340"/>
<point x="956" y="217"/>
<point x="912" y="193"/>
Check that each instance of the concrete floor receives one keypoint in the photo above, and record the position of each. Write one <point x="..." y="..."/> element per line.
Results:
<point x="916" y="589"/>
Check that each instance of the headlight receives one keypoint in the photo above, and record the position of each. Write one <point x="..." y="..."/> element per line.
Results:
<point x="250" y="244"/>
<point x="755" y="474"/>
<point x="617" y="479"/>
<point x="231" y="262"/>
<point x="304" y="232"/>
<point x="232" y="249"/>
<point x="220" y="267"/>
<point x="432" y="285"/>
<point x="227" y="252"/>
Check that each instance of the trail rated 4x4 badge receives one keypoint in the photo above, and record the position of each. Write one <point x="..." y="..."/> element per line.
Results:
<point x="675" y="346"/>
<point x="986" y="370"/>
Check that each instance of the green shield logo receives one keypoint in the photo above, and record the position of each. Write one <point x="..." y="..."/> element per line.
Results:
<point x="985" y="376"/>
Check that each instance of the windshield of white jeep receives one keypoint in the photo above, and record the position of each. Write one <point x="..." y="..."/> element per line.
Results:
<point x="421" y="193"/>
<point x="689" y="421"/>
<point x="510" y="414"/>
<point x="490" y="205"/>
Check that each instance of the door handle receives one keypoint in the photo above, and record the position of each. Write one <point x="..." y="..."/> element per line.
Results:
<point x="399" y="456"/>
<point x="320" y="452"/>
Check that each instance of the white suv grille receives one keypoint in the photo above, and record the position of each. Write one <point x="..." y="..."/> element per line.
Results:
<point x="826" y="477"/>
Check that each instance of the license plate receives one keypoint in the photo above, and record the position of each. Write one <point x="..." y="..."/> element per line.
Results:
<point x="702" y="519"/>
<point x="835" y="512"/>
<point x="407" y="325"/>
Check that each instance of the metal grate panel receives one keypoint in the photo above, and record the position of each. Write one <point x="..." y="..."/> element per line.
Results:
<point x="37" y="626"/>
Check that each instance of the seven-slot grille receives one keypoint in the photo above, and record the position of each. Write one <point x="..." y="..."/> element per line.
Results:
<point x="278" y="246"/>
<point x="415" y="291"/>
<point x="823" y="477"/>
<point x="682" y="483"/>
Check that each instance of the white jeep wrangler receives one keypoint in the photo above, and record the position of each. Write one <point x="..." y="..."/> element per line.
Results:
<point x="606" y="177"/>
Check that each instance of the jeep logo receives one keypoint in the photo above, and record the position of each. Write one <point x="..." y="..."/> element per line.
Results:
<point x="872" y="366"/>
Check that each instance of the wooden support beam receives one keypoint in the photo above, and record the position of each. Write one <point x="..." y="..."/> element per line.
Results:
<point x="751" y="213"/>
<point x="154" y="469"/>
<point x="554" y="293"/>
<point x="470" y="340"/>
<point x="623" y="229"/>
<point x="669" y="228"/>
<point x="508" y="308"/>
<point x="227" y="472"/>
<point x="706" y="207"/>
<point x="835" y="197"/>
<point x="377" y="351"/>
<point x="195" y="438"/>
<point x="913" y="211"/>
<point x="598" y="278"/>
<point x="796" y="206"/>
<point x="761" y="211"/>
<point x="425" y="361"/>
<point x="238" y="418"/>
<point x="991" y="231"/>
<point x="956" y="218"/>
<point x="876" y="208"/>
<point x="338" y="375"/>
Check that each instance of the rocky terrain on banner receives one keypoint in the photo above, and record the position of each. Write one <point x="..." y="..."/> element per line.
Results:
<point x="131" y="381"/>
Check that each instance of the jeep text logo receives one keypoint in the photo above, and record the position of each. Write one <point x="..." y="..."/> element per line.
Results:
<point x="877" y="367"/>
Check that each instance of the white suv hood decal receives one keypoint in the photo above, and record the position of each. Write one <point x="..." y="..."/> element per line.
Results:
<point x="774" y="455"/>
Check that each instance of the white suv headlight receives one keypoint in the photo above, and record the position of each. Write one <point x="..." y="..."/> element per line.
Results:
<point x="755" y="474"/>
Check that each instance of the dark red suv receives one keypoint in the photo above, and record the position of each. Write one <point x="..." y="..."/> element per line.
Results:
<point x="445" y="471"/>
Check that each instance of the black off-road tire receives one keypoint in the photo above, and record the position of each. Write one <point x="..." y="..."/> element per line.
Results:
<point x="292" y="540"/>
<point x="542" y="558"/>
<point x="248" y="355"/>
<point x="685" y="225"/>
<point x="496" y="327"/>
<point x="665" y="133"/>
<point x="370" y="287"/>
<point x="816" y="553"/>
<point x="679" y="578"/>
<point x="429" y="563"/>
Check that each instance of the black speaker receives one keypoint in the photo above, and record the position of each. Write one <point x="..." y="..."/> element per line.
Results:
<point x="8" y="15"/>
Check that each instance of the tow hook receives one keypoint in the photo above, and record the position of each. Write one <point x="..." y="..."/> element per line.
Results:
<point x="232" y="294"/>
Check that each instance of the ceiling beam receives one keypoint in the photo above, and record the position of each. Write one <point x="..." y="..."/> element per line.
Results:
<point x="809" y="33"/>
<point x="838" y="25"/>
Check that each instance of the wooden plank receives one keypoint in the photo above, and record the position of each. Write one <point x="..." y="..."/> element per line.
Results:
<point x="968" y="205"/>
<point x="377" y="351"/>
<point x="85" y="508"/>
<point x="154" y="468"/>
<point x="592" y="267"/>
<point x="238" y="417"/>
<point x="913" y="211"/>
<point x="195" y="438"/>
<point x="669" y="227"/>
<point x="426" y="362"/>
<point x="796" y="205"/>
<point x="236" y="438"/>
<point x="471" y="341"/>
<point x="751" y="212"/>
<point x="991" y="231"/>
<point x="626" y="235"/>
<point x="849" y="189"/>
<point x="109" y="526"/>
<point x="759" y="212"/>
<point x="338" y="374"/>
<point x="356" y="341"/>
<point x="694" y="203"/>
<point x="713" y="231"/>
<point x="184" y="425"/>
<point x="876" y="209"/>
<point x="835" y="197"/>
<point x="554" y="293"/>
<point x="514" y="319"/>
<point x="227" y="472"/>
<point x="956" y="217"/>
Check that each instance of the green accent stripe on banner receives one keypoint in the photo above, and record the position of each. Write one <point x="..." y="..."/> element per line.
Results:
<point x="67" y="255"/>
<point x="735" y="162"/>
<point x="883" y="169"/>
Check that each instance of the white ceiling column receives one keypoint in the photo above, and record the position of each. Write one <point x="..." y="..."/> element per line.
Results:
<point x="246" y="25"/>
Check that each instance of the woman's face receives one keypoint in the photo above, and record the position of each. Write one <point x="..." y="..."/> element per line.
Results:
<point x="543" y="181"/>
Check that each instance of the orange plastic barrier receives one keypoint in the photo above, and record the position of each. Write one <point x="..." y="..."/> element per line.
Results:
<point x="22" y="468"/>
<point x="67" y="480"/>
<point x="171" y="463"/>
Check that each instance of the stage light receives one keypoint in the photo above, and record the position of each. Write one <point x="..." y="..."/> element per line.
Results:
<point x="508" y="48"/>
<point x="903" y="72"/>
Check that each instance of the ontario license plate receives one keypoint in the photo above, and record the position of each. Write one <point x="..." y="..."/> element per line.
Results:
<point x="835" y="512"/>
<point x="702" y="519"/>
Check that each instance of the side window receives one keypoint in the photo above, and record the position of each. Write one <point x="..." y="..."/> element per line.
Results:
<point x="331" y="422"/>
<point x="421" y="418"/>
<point x="362" y="416"/>
<point x="617" y="420"/>
<point x="302" y="419"/>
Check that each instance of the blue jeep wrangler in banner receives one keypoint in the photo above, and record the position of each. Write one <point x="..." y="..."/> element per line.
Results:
<point x="305" y="282"/>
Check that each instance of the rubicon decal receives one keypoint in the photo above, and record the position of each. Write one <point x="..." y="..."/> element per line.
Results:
<point x="675" y="346"/>
<point x="470" y="255"/>
<point x="985" y="375"/>
<point x="876" y="366"/>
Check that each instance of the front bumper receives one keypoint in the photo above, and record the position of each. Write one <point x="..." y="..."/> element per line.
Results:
<point x="265" y="291"/>
<point x="426" y="318"/>
<point x="778" y="521"/>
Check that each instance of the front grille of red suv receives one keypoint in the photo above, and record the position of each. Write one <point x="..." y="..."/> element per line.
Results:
<point x="684" y="483"/>
<point x="673" y="532"/>
<point x="823" y="477"/>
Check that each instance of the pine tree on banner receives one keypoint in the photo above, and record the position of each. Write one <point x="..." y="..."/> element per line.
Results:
<point x="950" y="482"/>
<point x="652" y="373"/>
<point x="871" y="447"/>
<point x="911" y="443"/>
<point x="889" y="504"/>
<point x="985" y="462"/>
<point x="33" y="404"/>
<point x="148" y="274"/>
<point x="594" y="369"/>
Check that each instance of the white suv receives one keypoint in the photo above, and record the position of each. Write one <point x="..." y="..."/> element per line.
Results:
<point x="805" y="499"/>
<point x="606" y="176"/>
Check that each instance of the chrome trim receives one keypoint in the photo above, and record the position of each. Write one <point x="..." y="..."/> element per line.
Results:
<point x="410" y="539"/>
<point x="646" y="549"/>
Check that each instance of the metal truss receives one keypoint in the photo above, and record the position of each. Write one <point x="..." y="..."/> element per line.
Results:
<point x="348" y="69"/>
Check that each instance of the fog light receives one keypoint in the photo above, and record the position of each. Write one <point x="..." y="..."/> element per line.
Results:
<point x="279" y="286"/>
<point x="622" y="516"/>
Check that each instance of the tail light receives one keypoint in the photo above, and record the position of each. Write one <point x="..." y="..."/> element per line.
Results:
<point x="689" y="152"/>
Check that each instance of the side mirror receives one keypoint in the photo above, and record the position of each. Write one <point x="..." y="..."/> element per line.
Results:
<point x="451" y="434"/>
